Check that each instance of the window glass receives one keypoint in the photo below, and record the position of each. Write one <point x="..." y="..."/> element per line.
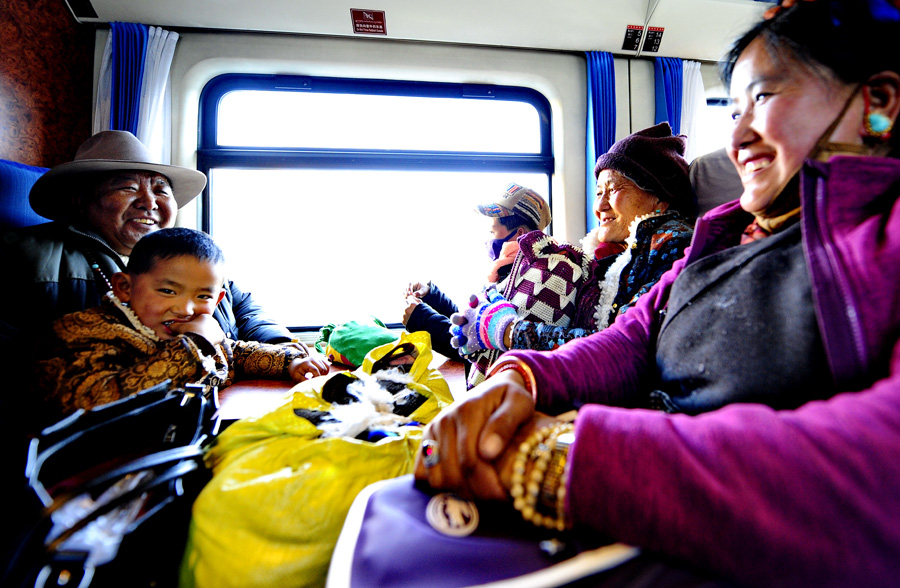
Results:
<point x="320" y="246"/>
<point x="714" y="129"/>
<point x="354" y="121"/>
<point x="327" y="203"/>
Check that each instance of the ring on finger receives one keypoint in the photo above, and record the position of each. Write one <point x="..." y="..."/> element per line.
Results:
<point x="430" y="455"/>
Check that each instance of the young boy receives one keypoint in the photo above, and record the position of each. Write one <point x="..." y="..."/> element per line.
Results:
<point x="156" y="324"/>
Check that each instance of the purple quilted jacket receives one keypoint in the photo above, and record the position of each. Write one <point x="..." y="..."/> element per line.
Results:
<point x="805" y="497"/>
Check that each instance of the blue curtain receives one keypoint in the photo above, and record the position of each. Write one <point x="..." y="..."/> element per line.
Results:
<point x="669" y="76"/>
<point x="601" y="120"/>
<point x="129" y="48"/>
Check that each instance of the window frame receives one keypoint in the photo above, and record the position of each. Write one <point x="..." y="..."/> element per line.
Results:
<point x="211" y="155"/>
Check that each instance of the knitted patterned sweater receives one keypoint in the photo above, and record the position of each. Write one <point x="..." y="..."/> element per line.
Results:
<point x="613" y="283"/>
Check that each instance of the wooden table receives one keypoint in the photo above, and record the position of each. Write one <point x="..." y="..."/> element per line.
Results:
<point x="256" y="397"/>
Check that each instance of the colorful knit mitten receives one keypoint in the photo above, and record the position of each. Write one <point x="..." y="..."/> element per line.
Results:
<point x="482" y="325"/>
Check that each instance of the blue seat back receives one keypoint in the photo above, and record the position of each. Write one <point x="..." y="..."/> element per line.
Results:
<point x="16" y="180"/>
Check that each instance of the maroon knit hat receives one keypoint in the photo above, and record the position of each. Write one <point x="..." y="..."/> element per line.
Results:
<point x="654" y="160"/>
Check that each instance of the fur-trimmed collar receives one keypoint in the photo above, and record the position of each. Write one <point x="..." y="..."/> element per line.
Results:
<point x="610" y="287"/>
<point x="131" y="316"/>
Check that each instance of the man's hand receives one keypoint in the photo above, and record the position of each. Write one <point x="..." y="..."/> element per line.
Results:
<point x="411" y="303"/>
<point x="418" y="289"/>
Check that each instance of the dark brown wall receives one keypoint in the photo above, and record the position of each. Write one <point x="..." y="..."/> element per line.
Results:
<point x="46" y="78"/>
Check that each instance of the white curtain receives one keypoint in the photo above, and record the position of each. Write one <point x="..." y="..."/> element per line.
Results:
<point x="155" y="115"/>
<point x="693" y="107"/>
<point x="104" y="90"/>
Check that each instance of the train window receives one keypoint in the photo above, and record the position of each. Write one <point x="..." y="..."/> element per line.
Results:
<point x="361" y="122"/>
<point x="330" y="195"/>
<point x="715" y="125"/>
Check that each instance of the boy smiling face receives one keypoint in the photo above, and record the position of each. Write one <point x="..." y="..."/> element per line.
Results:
<point x="175" y="290"/>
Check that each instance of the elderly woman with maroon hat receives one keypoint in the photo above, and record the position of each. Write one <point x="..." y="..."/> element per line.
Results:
<point x="645" y="208"/>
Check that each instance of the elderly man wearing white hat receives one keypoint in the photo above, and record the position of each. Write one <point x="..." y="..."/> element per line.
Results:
<point x="101" y="203"/>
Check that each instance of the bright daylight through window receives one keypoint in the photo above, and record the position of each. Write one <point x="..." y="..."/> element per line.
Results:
<point x="328" y="203"/>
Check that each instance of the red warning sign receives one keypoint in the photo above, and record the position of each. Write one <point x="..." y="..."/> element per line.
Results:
<point x="368" y="22"/>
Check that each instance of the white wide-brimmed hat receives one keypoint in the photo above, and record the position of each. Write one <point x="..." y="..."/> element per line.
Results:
<point x="108" y="151"/>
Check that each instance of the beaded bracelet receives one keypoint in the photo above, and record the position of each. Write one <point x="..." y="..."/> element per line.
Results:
<point x="523" y="369"/>
<point x="539" y="447"/>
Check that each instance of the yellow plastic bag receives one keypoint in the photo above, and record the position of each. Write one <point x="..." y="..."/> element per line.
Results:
<point x="280" y="491"/>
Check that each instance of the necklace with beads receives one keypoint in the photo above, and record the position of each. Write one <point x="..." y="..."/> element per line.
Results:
<point x="92" y="261"/>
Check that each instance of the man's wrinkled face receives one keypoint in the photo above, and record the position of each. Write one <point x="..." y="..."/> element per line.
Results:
<point x="127" y="205"/>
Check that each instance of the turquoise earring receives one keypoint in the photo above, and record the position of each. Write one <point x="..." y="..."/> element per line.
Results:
<point x="878" y="125"/>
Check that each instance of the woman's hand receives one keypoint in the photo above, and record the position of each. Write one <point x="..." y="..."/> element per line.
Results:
<point x="477" y="439"/>
<point x="485" y="324"/>
<point x="504" y="464"/>
<point x="308" y="367"/>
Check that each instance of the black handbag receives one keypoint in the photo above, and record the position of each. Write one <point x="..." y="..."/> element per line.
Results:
<point x="108" y="492"/>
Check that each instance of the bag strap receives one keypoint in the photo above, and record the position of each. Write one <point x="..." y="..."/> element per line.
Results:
<point x="54" y="503"/>
<point x="172" y="421"/>
<point x="30" y="547"/>
<point x="179" y="470"/>
<point x="82" y="419"/>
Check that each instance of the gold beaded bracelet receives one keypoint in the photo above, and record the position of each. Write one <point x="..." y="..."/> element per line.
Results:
<point x="540" y="448"/>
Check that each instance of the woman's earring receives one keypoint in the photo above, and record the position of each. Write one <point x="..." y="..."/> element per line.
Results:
<point x="878" y="126"/>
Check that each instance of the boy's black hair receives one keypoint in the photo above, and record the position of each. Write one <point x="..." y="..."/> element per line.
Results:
<point x="515" y="221"/>
<point x="169" y="243"/>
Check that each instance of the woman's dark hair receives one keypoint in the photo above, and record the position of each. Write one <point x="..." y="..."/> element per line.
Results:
<point x="515" y="221"/>
<point x="169" y="243"/>
<point x="853" y="38"/>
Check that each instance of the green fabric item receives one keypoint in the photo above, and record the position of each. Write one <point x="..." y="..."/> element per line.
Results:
<point x="348" y="343"/>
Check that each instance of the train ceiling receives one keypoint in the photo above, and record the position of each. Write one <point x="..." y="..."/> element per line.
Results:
<point x="690" y="29"/>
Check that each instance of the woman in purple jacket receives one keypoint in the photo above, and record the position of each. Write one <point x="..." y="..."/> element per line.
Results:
<point x="775" y="339"/>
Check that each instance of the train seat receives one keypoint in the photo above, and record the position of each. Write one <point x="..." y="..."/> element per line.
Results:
<point x="16" y="180"/>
